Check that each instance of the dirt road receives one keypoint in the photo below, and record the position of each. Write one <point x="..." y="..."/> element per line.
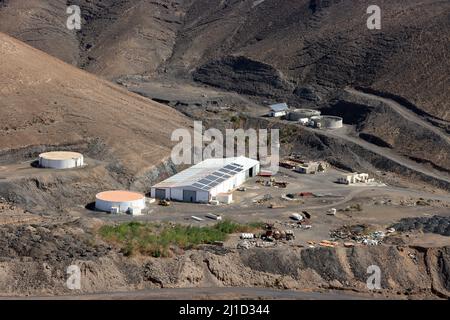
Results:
<point x="345" y="134"/>
<point x="403" y="111"/>
<point x="208" y="294"/>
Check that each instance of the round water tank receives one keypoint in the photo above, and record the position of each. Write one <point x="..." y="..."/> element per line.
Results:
<point x="297" y="114"/>
<point x="120" y="199"/>
<point x="61" y="160"/>
<point x="332" y="122"/>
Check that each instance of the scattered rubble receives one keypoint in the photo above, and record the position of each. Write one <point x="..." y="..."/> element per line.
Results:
<point x="269" y="238"/>
<point x="358" y="233"/>
<point x="164" y="203"/>
<point x="272" y="183"/>
<point x="411" y="202"/>
<point x="265" y="198"/>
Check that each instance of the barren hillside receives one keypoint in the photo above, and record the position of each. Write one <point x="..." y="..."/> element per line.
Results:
<point x="304" y="50"/>
<point x="45" y="102"/>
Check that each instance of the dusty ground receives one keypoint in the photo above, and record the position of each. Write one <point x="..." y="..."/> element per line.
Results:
<point x="381" y="206"/>
<point x="36" y="254"/>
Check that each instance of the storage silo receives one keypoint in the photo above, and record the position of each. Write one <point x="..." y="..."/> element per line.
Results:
<point x="327" y="122"/>
<point x="120" y="201"/>
<point x="331" y="122"/>
<point x="61" y="160"/>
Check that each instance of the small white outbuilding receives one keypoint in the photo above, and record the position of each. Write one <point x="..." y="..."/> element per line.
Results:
<point x="225" y="198"/>
<point x="278" y="110"/>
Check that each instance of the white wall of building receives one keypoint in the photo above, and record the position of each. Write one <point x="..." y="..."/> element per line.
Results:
<point x="277" y="113"/>
<point x="176" y="192"/>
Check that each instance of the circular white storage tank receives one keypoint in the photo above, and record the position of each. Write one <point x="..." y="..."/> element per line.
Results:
<point x="327" y="122"/>
<point x="61" y="160"/>
<point x="297" y="114"/>
<point x="123" y="201"/>
<point x="332" y="122"/>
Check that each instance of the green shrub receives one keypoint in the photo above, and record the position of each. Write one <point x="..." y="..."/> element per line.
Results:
<point x="157" y="239"/>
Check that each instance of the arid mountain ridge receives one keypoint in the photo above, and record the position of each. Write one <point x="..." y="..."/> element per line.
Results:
<point x="313" y="46"/>
<point x="304" y="52"/>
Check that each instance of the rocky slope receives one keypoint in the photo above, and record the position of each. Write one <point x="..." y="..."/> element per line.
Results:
<point x="312" y="47"/>
<point x="47" y="103"/>
<point x="35" y="258"/>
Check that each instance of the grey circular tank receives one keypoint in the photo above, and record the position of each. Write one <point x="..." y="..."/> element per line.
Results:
<point x="297" y="114"/>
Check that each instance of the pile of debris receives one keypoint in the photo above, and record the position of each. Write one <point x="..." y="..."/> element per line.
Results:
<point x="359" y="234"/>
<point x="164" y="203"/>
<point x="272" y="233"/>
<point x="272" y="183"/>
<point x="268" y="238"/>
<point x="297" y="225"/>
<point x="302" y="221"/>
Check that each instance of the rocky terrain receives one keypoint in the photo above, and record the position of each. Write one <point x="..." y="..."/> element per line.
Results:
<point x="305" y="50"/>
<point x="47" y="104"/>
<point x="435" y="224"/>
<point x="222" y="62"/>
<point x="305" y="53"/>
<point x="35" y="258"/>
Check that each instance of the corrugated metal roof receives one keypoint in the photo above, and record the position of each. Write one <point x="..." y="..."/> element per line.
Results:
<point x="279" y="107"/>
<point x="208" y="173"/>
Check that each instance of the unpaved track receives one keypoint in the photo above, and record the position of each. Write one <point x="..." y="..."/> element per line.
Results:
<point x="206" y="294"/>
<point x="403" y="111"/>
<point x="343" y="133"/>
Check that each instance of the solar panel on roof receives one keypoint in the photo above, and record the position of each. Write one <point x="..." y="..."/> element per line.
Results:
<point x="213" y="184"/>
<point x="204" y="181"/>
<point x="198" y="185"/>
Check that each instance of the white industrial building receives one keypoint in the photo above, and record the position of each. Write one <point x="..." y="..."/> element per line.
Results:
<point x="61" y="160"/>
<point x="278" y="110"/>
<point x="120" y="201"/>
<point x="355" y="178"/>
<point x="209" y="180"/>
